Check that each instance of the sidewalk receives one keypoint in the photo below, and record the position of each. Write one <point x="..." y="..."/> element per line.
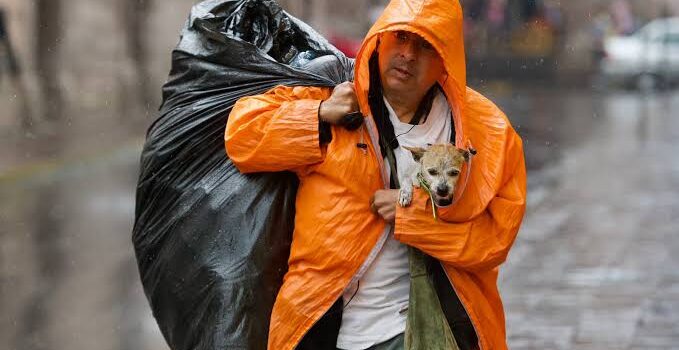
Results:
<point x="595" y="263"/>
<point x="53" y="145"/>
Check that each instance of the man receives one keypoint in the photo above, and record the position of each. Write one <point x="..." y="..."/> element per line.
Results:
<point x="348" y="280"/>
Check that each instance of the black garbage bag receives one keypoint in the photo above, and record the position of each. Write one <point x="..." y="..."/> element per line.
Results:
<point x="212" y="244"/>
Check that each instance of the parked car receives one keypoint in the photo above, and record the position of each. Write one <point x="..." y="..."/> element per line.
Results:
<point x="647" y="59"/>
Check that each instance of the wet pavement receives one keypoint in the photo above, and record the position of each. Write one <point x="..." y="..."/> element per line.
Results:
<point x="594" y="266"/>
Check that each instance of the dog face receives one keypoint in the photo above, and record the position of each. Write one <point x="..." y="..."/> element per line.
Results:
<point x="440" y="166"/>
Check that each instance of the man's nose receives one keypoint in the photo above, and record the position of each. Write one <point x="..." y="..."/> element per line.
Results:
<point x="409" y="50"/>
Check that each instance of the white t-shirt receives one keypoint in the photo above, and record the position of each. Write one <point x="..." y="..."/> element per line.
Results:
<point x="377" y="310"/>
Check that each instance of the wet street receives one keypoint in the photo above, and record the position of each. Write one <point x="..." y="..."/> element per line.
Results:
<point x="594" y="267"/>
<point x="595" y="264"/>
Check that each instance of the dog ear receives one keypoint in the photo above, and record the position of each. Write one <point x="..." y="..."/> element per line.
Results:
<point x="417" y="152"/>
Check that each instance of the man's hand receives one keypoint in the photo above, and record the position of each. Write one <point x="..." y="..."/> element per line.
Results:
<point x="342" y="102"/>
<point x="383" y="203"/>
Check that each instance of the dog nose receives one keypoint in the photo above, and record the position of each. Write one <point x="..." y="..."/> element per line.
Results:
<point x="442" y="190"/>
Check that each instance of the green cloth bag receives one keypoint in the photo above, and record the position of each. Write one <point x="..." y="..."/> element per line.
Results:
<point x="426" y="325"/>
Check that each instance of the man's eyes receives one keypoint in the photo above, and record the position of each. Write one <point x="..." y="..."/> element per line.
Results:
<point x="401" y="36"/>
<point x="404" y="37"/>
<point x="426" y="45"/>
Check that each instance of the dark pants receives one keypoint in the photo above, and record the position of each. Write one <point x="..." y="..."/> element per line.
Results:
<point x="395" y="343"/>
<point x="323" y="335"/>
<point x="398" y="343"/>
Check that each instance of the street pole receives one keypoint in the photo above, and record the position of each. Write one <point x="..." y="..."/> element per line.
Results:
<point x="47" y="48"/>
<point x="12" y="64"/>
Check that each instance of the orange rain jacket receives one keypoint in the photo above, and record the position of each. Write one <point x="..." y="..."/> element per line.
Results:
<point x="336" y="236"/>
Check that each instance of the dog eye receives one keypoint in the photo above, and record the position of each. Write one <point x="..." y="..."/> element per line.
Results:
<point x="433" y="172"/>
<point x="453" y="173"/>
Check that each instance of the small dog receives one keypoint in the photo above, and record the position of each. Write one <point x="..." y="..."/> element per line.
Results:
<point x="438" y="168"/>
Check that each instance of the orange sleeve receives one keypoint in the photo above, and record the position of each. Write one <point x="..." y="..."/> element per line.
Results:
<point x="276" y="131"/>
<point x="481" y="243"/>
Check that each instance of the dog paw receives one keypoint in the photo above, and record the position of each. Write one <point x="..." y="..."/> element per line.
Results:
<point x="405" y="197"/>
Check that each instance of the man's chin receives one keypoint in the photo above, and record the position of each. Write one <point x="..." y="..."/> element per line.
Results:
<point x="400" y="83"/>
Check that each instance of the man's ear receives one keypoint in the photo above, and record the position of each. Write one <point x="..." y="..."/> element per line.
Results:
<point x="417" y="152"/>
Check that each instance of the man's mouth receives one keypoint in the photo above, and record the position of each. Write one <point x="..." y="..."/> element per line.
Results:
<point x="403" y="73"/>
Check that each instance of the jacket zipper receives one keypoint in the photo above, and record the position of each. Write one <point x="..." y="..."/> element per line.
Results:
<point x="385" y="233"/>
<point x="372" y="133"/>
<point x="471" y="319"/>
<point x="357" y="276"/>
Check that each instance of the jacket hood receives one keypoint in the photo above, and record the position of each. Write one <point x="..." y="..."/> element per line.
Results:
<point x="437" y="21"/>
<point x="479" y="124"/>
<point x="440" y="23"/>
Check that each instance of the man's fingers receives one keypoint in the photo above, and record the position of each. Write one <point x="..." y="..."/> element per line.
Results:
<point x="383" y="203"/>
<point x="354" y="104"/>
<point x="352" y="98"/>
<point x="345" y="93"/>
<point x="387" y="214"/>
<point x="346" y="87"/>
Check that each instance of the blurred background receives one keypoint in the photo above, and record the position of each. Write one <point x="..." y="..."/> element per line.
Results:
<point x="589" y="85"/>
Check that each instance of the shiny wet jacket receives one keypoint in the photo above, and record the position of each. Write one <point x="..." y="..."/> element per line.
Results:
<point x="336" y="235"/>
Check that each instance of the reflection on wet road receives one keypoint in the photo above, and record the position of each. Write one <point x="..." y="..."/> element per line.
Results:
<point x="69" y="279"/>
<point x="592" y="267"/>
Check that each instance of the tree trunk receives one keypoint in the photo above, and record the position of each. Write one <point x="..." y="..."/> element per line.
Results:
<point x="135" y="18"/>
<point x="11" y="63"/>
<point x="48" y="16"/>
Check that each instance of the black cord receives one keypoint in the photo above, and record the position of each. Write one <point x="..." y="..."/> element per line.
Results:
<point x="352" y="297"/>
<point x="401" y="134"/>
<point x="378" y="108"/>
